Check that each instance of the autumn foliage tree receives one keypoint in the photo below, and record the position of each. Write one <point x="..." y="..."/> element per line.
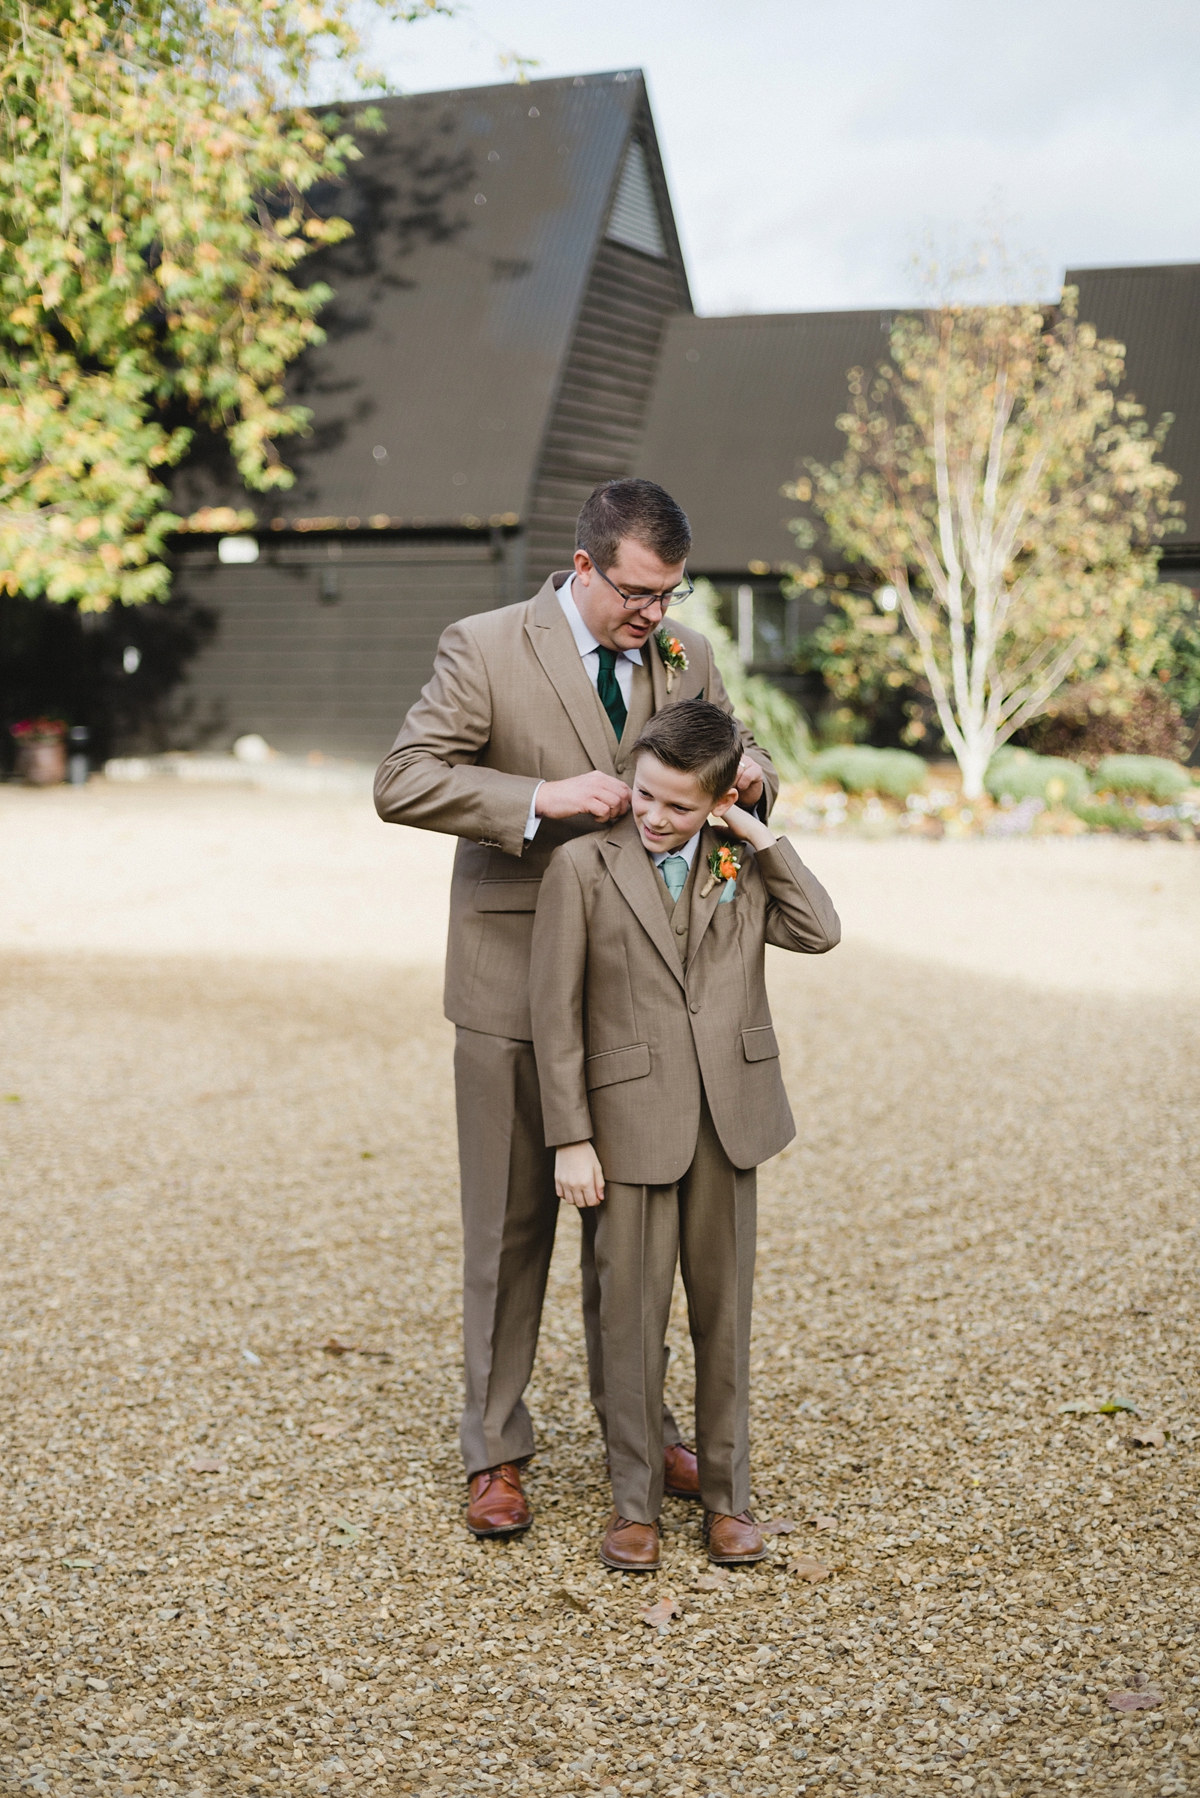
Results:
<point x="1006" y="505"/>
<point x="153" y="174"/>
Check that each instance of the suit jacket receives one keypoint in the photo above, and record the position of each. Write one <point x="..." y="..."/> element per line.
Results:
<point x="626" y="1035"/>
<point x="510" y="704"/>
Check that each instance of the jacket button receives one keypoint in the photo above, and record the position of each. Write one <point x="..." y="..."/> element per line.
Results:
<point x="681" y="930"/>
<point x="695" y="1005"/>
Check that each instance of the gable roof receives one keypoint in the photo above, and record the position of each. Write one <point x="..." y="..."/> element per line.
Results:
<point x="738" y="406"/>
<point x="477" y="217"/>
<point x="1155" y="313"/>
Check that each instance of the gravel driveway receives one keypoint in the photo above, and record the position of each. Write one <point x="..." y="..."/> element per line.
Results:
<point x="231" y="1552"/>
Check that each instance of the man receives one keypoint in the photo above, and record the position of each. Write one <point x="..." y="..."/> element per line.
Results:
<point x="520" y="741"/>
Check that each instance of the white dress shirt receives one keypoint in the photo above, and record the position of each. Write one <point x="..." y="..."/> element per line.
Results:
<point x="589" y="650"/>
<point x="687" y="850"/>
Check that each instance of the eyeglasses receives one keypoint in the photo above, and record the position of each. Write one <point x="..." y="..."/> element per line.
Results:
<point x="637" y="602"/>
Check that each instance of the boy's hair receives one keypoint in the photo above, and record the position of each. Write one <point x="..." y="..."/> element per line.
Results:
<point x="697" y="738"/>
<point x="632" y="508"/>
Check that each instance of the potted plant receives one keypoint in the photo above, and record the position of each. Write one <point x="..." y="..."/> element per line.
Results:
<point x="41" y="751"/>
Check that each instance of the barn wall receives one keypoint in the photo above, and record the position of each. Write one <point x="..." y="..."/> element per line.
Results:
<point x="324" y="645"/>
<point x="596" y="423"/>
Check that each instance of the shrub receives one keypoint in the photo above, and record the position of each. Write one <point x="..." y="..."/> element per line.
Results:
<point x="1152" y="724"/>
<point x="1020" y="774"/>
<point x="1110" y="817"/>
<point x="859" y="769"/>
<point x="1147" y="776"/>
<point x="776" y="722"/>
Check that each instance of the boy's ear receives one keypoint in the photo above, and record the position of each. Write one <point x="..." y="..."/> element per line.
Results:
<point x="721" y="805"/>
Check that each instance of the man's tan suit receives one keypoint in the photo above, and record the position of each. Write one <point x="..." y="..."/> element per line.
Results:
<point x="510" y="704"/>
<point x="654" y="1041"/>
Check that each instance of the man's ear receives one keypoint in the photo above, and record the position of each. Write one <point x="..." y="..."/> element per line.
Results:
<point x="584" y="566"/>
<point x="720" y="806"/>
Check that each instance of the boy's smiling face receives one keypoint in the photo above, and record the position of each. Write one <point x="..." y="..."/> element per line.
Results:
<point x="669" y="806"/>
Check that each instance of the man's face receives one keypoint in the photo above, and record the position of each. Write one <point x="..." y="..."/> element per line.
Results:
<point x="637" y="570"/>
<point x="668" y="806"/>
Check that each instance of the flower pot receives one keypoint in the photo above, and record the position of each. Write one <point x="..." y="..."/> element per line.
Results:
<point x="42" y="764"/>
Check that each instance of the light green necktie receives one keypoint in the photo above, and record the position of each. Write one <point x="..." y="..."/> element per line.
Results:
<point x="674" y="871"/>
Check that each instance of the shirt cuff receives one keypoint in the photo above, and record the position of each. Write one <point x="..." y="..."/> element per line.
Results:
<point x="532" y="821"/>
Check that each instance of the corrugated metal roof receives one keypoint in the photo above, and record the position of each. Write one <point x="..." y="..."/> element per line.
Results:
<point x="1155" y="313"/>
<point x="738" y="406"/>
<point x="477" y="217"/>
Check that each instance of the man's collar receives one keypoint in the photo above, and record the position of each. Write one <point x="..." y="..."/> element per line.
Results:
<point x="585" y="642"/>
<point x="687" y="850"/>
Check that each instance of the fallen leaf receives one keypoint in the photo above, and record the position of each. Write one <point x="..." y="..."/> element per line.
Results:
<point x="660" y="1614"/>
<point x="821" y="1522"/>
<point x="1079" y="1407"/>
<point x="327" y="1429"/>
<point x="1148" y="1435"/>
<point x="79" y="1563"/>
<point x="711" y="1582"/>
<point x="206" y="1464"/>
<point x="576" y="1600"/>
<point x="807" y="1567"/>
<point x="332" y="1346"/>
<point x="1112" y="1405"/>
<point x="777" y="1526"/>
<point x="1135" y="1701"/>
<point x="343" y="1533"/>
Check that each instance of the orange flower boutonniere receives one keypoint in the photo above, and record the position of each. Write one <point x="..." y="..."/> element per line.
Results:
<point x="723" y="864"/>
<point x="674" y="656"/>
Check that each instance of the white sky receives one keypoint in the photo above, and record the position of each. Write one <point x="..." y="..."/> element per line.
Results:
<point x="815" y="146"/>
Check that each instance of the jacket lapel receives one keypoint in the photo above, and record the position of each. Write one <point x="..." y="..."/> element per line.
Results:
<point x="634" y="875"/>
<point x="555" y="648"/>
<point x="703" y="909"/>
<point x="658" y="672"/>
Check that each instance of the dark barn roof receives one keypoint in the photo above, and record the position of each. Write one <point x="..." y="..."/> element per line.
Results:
<point x="478" y="217"/>
<point x="738" y="406"/>
<point x="1155" y="313"/>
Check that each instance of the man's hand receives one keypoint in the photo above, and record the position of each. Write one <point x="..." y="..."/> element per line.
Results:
<point x="601" y="796"/>
<point x="578" y="1176"/>
<point x="749" y="782"/>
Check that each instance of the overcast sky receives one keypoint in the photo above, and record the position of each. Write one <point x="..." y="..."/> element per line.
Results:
<point x="815" y="146"/>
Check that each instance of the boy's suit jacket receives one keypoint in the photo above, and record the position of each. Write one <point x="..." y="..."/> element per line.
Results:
<point x="624" y="1033"/>
<point x="509" y="704"/>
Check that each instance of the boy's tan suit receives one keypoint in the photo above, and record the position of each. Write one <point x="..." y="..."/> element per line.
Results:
<point x="510" y="704"/>
<point x="654" y="1040"/>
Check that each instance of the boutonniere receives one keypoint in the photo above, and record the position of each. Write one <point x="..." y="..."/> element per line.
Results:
<point x="723" y="864"/>
<point x="673" y="654"/>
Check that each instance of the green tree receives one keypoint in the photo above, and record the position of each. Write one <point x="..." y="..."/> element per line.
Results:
<point x="156" y="157"/>
<point x="1003" y="507"/>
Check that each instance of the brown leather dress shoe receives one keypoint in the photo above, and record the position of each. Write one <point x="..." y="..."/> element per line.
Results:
<point x="733" y="1540"/>
<point x="630" y="1547"/>
<point x="497" y="1506"/>
<point x="682" y="1471"/>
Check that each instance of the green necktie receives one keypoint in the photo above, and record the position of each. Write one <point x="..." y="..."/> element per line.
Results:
<point x="674" y="870"/>
<point x="610" y="693"/>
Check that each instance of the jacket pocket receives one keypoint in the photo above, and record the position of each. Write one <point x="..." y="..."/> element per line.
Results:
<point x="759" y="1044"/>
<point x="613" y="1065"/>
<point x="507" y="895"/>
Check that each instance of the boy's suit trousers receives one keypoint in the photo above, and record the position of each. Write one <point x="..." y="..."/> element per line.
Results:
<point x="706" y="1221"/>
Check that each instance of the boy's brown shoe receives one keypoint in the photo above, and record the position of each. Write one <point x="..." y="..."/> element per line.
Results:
<point x="630" y="1547"/>
<point x="682" y="1471"/>
<point x="497" y="1504"/>
<point x="733" y="1540"/>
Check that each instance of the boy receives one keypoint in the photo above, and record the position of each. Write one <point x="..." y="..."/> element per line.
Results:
<point x="661" y="1092"/>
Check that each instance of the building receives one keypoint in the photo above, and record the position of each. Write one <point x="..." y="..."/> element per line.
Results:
<point x="490" y="354"/>
<point x="512" y="324"/>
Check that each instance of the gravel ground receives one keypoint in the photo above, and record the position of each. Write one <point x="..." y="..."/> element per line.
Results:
<point x="231" y="1554"/>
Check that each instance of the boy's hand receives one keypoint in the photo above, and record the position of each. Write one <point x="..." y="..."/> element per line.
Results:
<point x="745" y="825"/>
<point x="578" y="1176"/>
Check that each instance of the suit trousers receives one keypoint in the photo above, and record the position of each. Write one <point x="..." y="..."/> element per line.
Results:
<point x="706" y="1221"/>
<point x="509" y="1214"/>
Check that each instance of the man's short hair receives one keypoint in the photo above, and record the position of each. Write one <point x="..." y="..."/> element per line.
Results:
<point x="632" y="508"/>
<point x="696" y="737"/>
